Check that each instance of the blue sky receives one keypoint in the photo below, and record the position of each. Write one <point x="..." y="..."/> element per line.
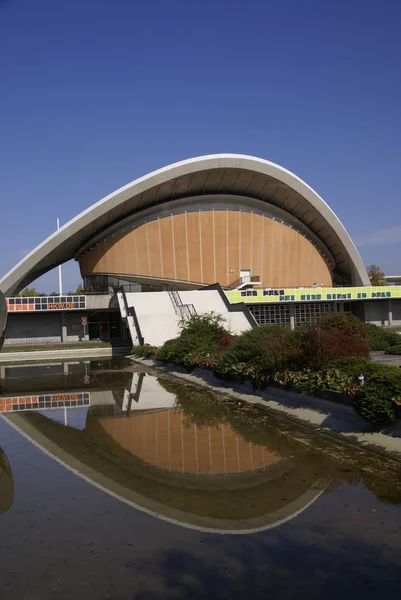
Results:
<point x="95" y="93"/>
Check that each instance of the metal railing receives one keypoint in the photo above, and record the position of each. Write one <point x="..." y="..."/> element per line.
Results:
<point x="185" y="311"/>
<point x="244" y="279"/>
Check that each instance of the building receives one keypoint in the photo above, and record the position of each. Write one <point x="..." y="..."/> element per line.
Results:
<point x="201" y="221"/>
<point x="250" y="226"/>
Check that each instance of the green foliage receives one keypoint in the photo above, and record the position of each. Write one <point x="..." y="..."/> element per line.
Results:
<point x="374" y="407"/>
<point x="351" y="365"/>
<point x="191" y="401"/>
<point x="344" y="322"/>
<point x="268" y="348"/>
<point x="144" y="351"/>
<point x="209" y="325"/>
<point x="380" y="338"/>
<point x="30" y="292"/>
<point x="200" y="337"/>
<point x="311" y="383"/>
<point x="320" y="346"/>
<point x="334" y="336"/>
<point x="394" y="349"/>
<point x="80" y="290"/>
<point x="376" y="401"/>
<point x="327" y="356"/>
<point x="376" y="275"/>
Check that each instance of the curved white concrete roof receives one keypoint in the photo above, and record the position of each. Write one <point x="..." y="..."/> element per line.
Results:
<point x="204" y="175"/>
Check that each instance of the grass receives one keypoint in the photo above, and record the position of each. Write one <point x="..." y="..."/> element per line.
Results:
<point x="59" y="346"/>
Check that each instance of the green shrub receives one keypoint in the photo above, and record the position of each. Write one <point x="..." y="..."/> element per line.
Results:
<point x="247" y="347"/>
<point x="173" y="351"/>
<point x="313" y="382"/>
<point x="200" y="336"/>
<point x="394" y="349"/>
<point x="144" y="351"/>
<point x="344" y="322"/>
<point x="268" y="348"/>
<point x="377" y="399"/>
<point x="380" y="338"/>
<point x="351" y="365"/>
<point x="322" y="345"/>
<point x="376" y="407"/>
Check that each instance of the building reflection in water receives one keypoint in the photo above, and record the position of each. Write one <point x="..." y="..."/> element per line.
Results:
<point x="140" y="442"/>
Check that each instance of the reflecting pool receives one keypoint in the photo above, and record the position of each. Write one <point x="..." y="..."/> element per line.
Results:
<point x="120" y="483"/>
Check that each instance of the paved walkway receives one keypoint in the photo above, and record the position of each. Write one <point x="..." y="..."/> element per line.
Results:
<point x="386" y="359"/>
<point x="61" y="354"/>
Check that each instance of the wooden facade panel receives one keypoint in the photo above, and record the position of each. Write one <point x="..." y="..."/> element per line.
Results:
<point x="233" y="246"/>
<point x="166" y="234"/>
<point x="140" y="239"/>
<point x="276" y="253"/>
<point x="304" y="259"/>
<point x="256" y="244"/>
<point x="194" y="246"/>
<point x="220" y="226"/>
<point x="292" y="258"/>
<point x="180" y="247"/>
<point x="208" y="249"/>
<point x="245" y="241"/>
<point x="127" y="258"/>
<point x="210" y="246"/>
<point x="154" y="248"/>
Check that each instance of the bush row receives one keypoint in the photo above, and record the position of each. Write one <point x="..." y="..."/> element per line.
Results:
<point x="381" y="339"/>
<point x="330" y="355"/>
<point x="396" y="349"/>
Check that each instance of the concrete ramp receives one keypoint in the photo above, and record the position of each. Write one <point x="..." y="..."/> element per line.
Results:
<point x="157" y="319"/>
<point x="157" y="314"/>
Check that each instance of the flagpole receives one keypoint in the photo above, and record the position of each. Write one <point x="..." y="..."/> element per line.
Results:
<point x="60" y="280"/>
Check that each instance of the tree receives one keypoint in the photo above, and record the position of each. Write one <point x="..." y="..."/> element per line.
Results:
<point x="80" y="290"/>
<point x="29" y="292"/>
<point x="376" y="275"/>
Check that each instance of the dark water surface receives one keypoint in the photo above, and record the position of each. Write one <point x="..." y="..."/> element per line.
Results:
<point x="117" y="483"/>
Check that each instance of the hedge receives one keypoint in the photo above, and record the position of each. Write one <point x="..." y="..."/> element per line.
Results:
<point x="380" y="338"/>
<point x="394" y="349"/>
<point x="328" y="356"/>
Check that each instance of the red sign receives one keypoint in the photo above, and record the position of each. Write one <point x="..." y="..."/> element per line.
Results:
<point x="84" y="321"/>
<point x="86" y="379"/>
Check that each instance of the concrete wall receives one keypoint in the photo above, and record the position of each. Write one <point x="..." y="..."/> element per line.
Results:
<point x="29" y="328"/>
<point x="101" y="301"/>
<point x="377" y="313"/>
<point x="396" y="311"/>
<point x="74" y="330"/>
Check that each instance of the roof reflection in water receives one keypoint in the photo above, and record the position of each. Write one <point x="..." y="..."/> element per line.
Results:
<point x="145" y="448"/>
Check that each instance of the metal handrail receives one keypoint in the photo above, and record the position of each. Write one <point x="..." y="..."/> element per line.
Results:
<point x="185" y="311"/>
<point x="244" y="279"/>
<point x="175" y="298"/>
